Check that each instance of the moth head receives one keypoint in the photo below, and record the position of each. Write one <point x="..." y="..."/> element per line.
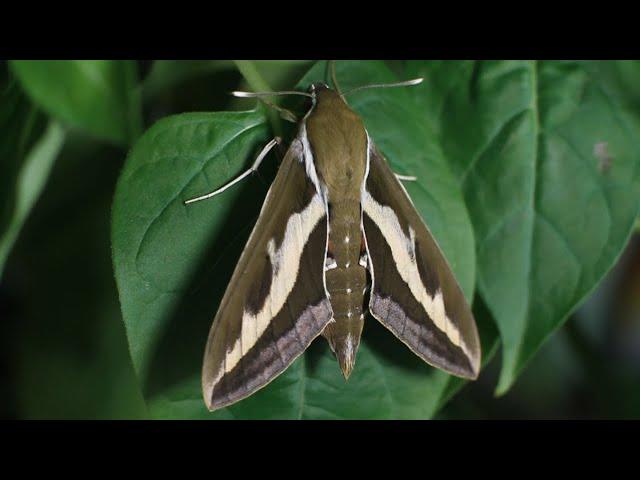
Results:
<point x="316" y="87"/>
<point x="317" y="91"/>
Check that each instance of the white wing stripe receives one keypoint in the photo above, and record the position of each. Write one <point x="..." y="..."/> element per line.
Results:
<point x="402" y="250"/>
<point x="285" y="263"/>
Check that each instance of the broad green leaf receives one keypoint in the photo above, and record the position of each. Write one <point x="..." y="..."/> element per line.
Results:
<point x="98" y="96"/>
<point x="28" y="148"/>
<point x="173" y="262"/>
<point x="547" y="155"/>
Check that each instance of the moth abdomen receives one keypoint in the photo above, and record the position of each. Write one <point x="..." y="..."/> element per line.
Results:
<point x="343" y="336"/>
<point x="346" y="280"/>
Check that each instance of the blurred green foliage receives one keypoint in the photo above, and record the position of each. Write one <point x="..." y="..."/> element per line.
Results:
<point x="66" y="129"/>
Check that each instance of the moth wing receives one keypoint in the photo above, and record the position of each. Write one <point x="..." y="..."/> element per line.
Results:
<point x="414" y="292"/>
<point x="276" y="303"/>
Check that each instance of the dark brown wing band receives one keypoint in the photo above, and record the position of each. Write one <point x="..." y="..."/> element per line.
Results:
<point x="275" y="304"/>
<point x="403" y="295"/>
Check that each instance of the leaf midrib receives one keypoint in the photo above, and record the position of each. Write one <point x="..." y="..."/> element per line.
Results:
<point x="535" y="109"/>
<point x="173" y="197"/>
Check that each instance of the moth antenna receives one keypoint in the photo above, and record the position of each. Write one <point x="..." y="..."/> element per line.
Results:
<point x="406" y="83"/>
<point x="269" y="94"/>
<point x="254" y="167"/>
<point x="334" y="78"/>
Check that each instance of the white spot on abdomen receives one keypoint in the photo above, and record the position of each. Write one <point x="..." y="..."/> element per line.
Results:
<point x="330" y="264"/>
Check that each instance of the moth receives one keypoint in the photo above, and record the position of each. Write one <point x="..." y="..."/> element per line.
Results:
<point x="337" y="236"/>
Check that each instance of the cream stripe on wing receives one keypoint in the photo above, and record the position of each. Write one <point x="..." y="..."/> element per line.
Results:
<point x="285" y="263"/>
<point x="403" y="252"/>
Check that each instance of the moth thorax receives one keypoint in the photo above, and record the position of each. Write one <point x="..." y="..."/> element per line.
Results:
<point x="338" y="140"/>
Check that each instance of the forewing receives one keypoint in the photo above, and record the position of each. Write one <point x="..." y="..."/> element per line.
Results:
<point x="414" y="292"/>
<point x="275" y="304"/>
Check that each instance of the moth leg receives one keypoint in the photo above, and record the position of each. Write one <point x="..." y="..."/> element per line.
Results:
<point x="406" y="178"/>
<point x="285" y="114"/>
<point x="254" y="167"/>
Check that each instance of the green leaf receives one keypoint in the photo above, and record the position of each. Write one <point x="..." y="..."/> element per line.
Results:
<point x="28" y="148"/>
<point x="98" y="96"/>
<point x="173" y="262"/>
<point x="547" y="155"/>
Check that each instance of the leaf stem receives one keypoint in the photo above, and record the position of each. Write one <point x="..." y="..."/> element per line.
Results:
<point x="133" y="101"/>
<point x="251" y="74"/>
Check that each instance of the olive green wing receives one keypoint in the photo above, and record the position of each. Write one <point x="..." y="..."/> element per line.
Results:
<point x="414" y="292"/>
<point x="276" y="303"/>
